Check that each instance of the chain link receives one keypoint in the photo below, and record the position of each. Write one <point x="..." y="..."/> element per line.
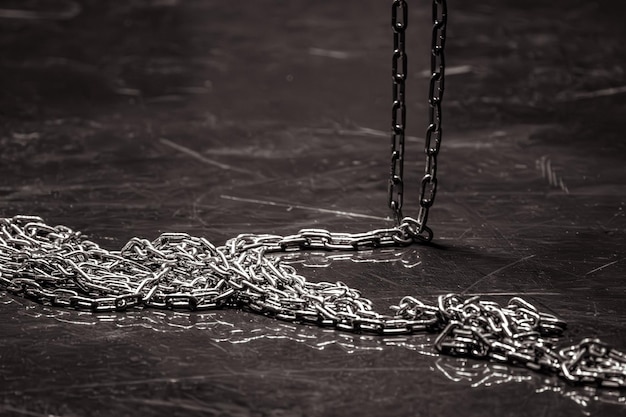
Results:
<point x="56" y="266"/>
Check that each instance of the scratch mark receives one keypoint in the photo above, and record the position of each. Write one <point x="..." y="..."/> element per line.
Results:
<point x="329" y="53"/>
<point x="389" y="281"/>
<point x="176" y="404"/>
<point x="70" y="11"/>
<point x="90" y="323"/>
<point x="358" y="131"/>
<point x="458" y="70"/>
<point x="217" y="346"/>
<point x="472" y="211"/>
<point x="548" y="172"/>
<point x="25" y="412"/>
<point x="212" y="376"/>
<point x="132" y="92"/>
<point x="619" y="212"/>
<point x="602" y="267"/>
<point x="379" y="133"/>
<point x="203" y="158"/>
<point x="464" y="233"/>
<point x="592" y="94"/>
<point x="361" y="130"/>
<point x="301" y="207"/>
<point x="513" y="294"/>
<point x="497" y="271"/>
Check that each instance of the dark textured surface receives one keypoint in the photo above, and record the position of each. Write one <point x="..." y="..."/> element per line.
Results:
<point x="218" y="118"/>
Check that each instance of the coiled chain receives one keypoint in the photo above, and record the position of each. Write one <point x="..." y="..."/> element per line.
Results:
<point x="428" y="190"/>
<point x="57" y="266"/>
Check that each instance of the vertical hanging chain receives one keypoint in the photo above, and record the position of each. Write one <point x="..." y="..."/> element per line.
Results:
<point x="399" y="19"/>
<point x="435" y="98"/>
<point x="399" y="22"/>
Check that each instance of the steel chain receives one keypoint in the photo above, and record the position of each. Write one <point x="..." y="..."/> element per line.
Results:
<point x="435" y="97"/>
<point x="55" y="265"/>
<point x="399" y="23"/>
<point x="434" y="135"/>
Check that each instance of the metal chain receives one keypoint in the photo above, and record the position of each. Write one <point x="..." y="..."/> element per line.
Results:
<point x="428" y="190"/>
<point x="399" y="23"/>
<point x="435" y="98"/>
<point x="55" y="265"/>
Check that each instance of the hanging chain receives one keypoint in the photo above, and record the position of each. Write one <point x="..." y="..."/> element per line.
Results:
<point x="55" y="265"/>
<point x="399" y="23"/>
<point x="435" y="98"/>
<point x="428" y="190"/>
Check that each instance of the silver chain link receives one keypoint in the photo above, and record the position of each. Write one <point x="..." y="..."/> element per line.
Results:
<point x="428" y="190"/>
<point x="56" y="266"/>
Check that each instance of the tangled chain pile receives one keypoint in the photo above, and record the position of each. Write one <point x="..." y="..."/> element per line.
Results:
<point x="56" y="265"/>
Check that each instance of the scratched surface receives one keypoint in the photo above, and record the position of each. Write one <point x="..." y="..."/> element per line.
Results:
<point x="218" y="118"/>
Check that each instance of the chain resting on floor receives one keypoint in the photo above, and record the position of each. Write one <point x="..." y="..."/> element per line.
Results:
<point x="57" y="266"/>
